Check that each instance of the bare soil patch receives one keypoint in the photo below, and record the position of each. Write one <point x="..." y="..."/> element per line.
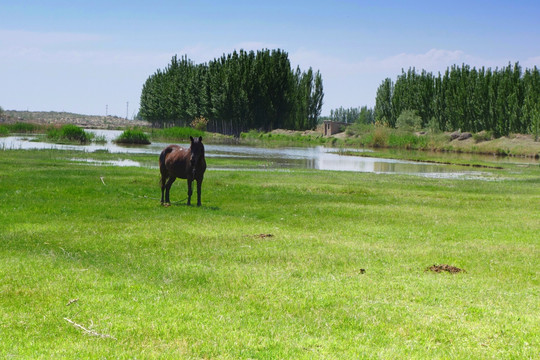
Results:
<point x="444" y="267"/>
<point x="260" y="236"/>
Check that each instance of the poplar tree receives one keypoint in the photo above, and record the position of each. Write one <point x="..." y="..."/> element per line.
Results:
<point x="236" y="92"/>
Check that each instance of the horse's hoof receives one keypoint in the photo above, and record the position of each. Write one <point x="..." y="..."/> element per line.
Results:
<point x="165" y="204"/>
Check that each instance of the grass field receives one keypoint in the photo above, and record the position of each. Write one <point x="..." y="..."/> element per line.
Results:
<point x="93" y="267"/>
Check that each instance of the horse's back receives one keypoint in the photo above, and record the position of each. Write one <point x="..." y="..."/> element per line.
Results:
<point x="173" y="161"/>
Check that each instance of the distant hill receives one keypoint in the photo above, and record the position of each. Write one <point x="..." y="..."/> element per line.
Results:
<point x="85" y="121"/>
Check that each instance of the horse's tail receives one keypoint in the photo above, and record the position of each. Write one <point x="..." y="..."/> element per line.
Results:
<point x="162" y="167"/>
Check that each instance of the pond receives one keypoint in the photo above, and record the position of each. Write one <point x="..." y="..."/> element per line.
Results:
<point x="319" y="157"/>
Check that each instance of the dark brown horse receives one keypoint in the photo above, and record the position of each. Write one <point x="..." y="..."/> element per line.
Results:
<point x="177" y="162"/>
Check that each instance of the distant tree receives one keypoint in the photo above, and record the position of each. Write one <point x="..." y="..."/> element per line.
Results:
<point x="502" y="101"/>
<point x="365" y="116"/>
<point x="383" y="103"/>
<point x="1" y="112"/>
<point x="236" y="92"/>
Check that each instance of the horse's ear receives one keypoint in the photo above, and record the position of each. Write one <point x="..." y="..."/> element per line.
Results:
<point x="200" y="138"/>
<point x="191" y="138"/>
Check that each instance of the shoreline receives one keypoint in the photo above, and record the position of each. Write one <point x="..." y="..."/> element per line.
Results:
<point x="515" y="145"/>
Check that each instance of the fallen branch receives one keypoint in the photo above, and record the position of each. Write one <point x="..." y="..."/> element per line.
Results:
<point x="88" y="331"/>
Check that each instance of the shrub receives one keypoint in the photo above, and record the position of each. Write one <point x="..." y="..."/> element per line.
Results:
<point x="199" y="123"/>
<point x="133" y="136"/>
<point x="483" y="136"/>
<point x="433" y="126"/>
<point x="380" y="137"/>
<point x="408" y="120"/>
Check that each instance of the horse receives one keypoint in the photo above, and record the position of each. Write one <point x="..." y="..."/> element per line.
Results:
<point x="177" y="162"/>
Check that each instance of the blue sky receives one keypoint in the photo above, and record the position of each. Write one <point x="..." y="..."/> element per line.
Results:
<point x="84" y="56"/>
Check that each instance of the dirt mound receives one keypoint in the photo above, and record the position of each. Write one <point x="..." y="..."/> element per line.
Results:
<point x="260" y="236"/>
<point x="444" y="267"/>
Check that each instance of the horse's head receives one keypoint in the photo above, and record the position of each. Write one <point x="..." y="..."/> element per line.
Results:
<point x="197" y="151"/>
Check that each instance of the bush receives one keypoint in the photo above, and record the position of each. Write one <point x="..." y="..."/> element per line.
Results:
<point x="483" y="136"/>
<point x="133" y="137"/>
<point x="433" y="126"/>
<point x="408" y="120"/>
<point x="199" y="123"/>
<point x="380" y="137"/>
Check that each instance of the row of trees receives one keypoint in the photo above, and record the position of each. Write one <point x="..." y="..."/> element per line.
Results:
<point x="237" y="92"/>
<point x="362" y="115"/>
<point x="502" y="100"/>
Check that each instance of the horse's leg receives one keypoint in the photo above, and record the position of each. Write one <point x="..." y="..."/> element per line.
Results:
<point x="168" y="189"/>
<point x="199" y="184"/>
<point x="163" y="181"/>
<point x="189" y="191"/>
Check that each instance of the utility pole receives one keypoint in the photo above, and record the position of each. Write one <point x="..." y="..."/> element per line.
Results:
<point x="106" y="110"/>
<point x="127" y="110"/>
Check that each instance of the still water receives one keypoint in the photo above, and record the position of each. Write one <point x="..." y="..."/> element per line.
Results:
<point x="319" y="157"/>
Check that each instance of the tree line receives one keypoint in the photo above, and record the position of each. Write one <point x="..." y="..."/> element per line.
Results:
<point x="362" y="115"/>
<point x="235" y="93"/>
<point x="503" y="101"/>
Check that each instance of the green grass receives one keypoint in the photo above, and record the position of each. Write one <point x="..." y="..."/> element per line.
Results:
<point x="176" y="133"/>
<point x="255" y="137"/>
<point x="188" y="282"/>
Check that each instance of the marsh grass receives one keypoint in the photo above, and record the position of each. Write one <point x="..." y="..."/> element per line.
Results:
<point x="69" y="134"/>
<point x="133" y="136"/>
<point x="255" y="137"/>
<point x="341" y="277"/>
<point x="176" y="133"/>
<point x="20" y="128"/>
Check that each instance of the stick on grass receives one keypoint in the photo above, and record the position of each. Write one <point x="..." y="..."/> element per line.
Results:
<point x="88" y="331"/>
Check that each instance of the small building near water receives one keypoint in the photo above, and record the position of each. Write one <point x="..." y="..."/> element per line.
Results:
<point x="333" y="127"/>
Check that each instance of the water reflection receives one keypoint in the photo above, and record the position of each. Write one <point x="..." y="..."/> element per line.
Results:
<point x="320" y="158"/>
